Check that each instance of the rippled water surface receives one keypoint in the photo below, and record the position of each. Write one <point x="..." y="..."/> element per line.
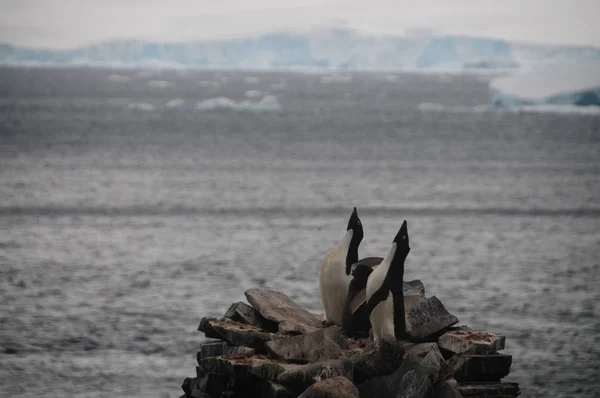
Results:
<point x="128" y="211"/>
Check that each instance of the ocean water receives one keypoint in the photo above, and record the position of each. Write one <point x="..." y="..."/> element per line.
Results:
<point x="135" y="202"/>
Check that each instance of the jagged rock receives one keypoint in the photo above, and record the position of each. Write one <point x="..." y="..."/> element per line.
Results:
<point x="418" y="381"/>
<point x="448" y="389"/>
<point x="415" y="384"/>
<point x="488" y="389"/>
<point x="217" y="348"/>
<point x="466" y="341"/>
<point x="379" y="358"/>
<point x="480" y="367"/>
<point x="434" y="360"/>
<point x="278" y="307"/>
<point x="328" y="349"/>
<point x="302" y="376"/>
<point x="243" y="313"/>
<point x="236" y="333"/>
<point x="202" y="387"/>
<point x="419" y="349"/>
<point x="269" y="389"/>
<point x="241" y="367"/>
<point x="299" y="348"/>
<point x="413" y="288"/>
<point x="335" y="387"/>
<point x="427" y="318"/>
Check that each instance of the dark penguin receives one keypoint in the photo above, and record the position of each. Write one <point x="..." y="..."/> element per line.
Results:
<point x="385" y="298"/>
<point x="355" y="317"/>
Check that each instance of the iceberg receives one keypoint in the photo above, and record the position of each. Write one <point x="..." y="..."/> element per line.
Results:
<point x="313" y="49"/>
<point x="556" y="84"/>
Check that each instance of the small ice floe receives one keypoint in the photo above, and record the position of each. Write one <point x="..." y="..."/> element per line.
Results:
<point x="141" y="106"/>
<point x="267" y="104"/>
<point x="175" y="103"/>
<point x="158" y="83"/>
<point x="118" y="78"/>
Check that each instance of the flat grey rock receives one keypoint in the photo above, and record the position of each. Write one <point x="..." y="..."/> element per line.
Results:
<point x="236" y="333"/>
<point x="480" y="367"/>
<point x="240" y="368"/>
<point x="217" y="348"/>
<point x="488" y="389"/>
<point x="467" y="341"/>
<point x="279" y="308"/>
<point x="379" y="358"/>
<point x="428" y="318"/>
<point x="303" y="376"/>
<point x="299" y="348"/>
<point x="243" y="313"/>
<point x="335" y="387"/>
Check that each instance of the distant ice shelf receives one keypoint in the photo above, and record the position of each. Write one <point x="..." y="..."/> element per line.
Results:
<point x="331" y="48"/>
<point x="557" y="84"/>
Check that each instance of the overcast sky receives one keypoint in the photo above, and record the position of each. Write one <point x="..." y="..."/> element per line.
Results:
<point x="70" y="23"/>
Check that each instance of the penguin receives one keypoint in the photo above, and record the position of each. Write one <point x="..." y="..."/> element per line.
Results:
<point x="355" y="316"/>
<point x="334" y="277"/>
<point x="385" y="298"/>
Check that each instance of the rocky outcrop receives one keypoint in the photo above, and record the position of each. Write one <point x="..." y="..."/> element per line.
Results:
<point x="279" y="308"/>
<point x="274" y="348"/>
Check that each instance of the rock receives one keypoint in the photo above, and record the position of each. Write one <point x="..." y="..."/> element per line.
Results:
<point x="279" y="308"/>
<point x="448" y="389"/>
<point x="415" y="384"/>
<point x="241" y="368"/>
<point x="299" y="348"/>
<point x="217" y="348"/>
<point x="428" y="318"/>
<point x="236" y="333"/>
<point x="195" y="388"/>
<point x="243" y="313"/>
<point x="466" y="341"/>
<point x="419" y="349"/>
<point x="480" y="367"/>
<point x="418" y="381"/>
<point x="488" y="389"/>
<point x="413" y="288"/>
<point x="435" y="362"/>
<point x="328" y="349"/>
<point x="335" y="387"/>
<point x="303" y="376"/>
<point x="269" y="389"/>
<point x="379" y="358"/>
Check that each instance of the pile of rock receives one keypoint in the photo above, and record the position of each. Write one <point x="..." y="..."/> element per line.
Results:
<point x="274" y="348"/>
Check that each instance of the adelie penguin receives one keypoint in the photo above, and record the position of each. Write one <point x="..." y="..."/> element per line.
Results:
<point x="385" y="297"/>
<point x="335" y="277"/>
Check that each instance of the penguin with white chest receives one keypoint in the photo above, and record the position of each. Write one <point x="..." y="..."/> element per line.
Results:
<point x="385" y="297"/>
<point x="335" y="275"/>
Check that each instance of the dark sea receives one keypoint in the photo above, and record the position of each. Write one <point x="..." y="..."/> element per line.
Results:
<point x="135" y="202"/>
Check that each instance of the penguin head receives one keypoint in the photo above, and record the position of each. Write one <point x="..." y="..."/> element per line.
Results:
<point x="401" y="241"/>
<point x="355" y="225"/>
